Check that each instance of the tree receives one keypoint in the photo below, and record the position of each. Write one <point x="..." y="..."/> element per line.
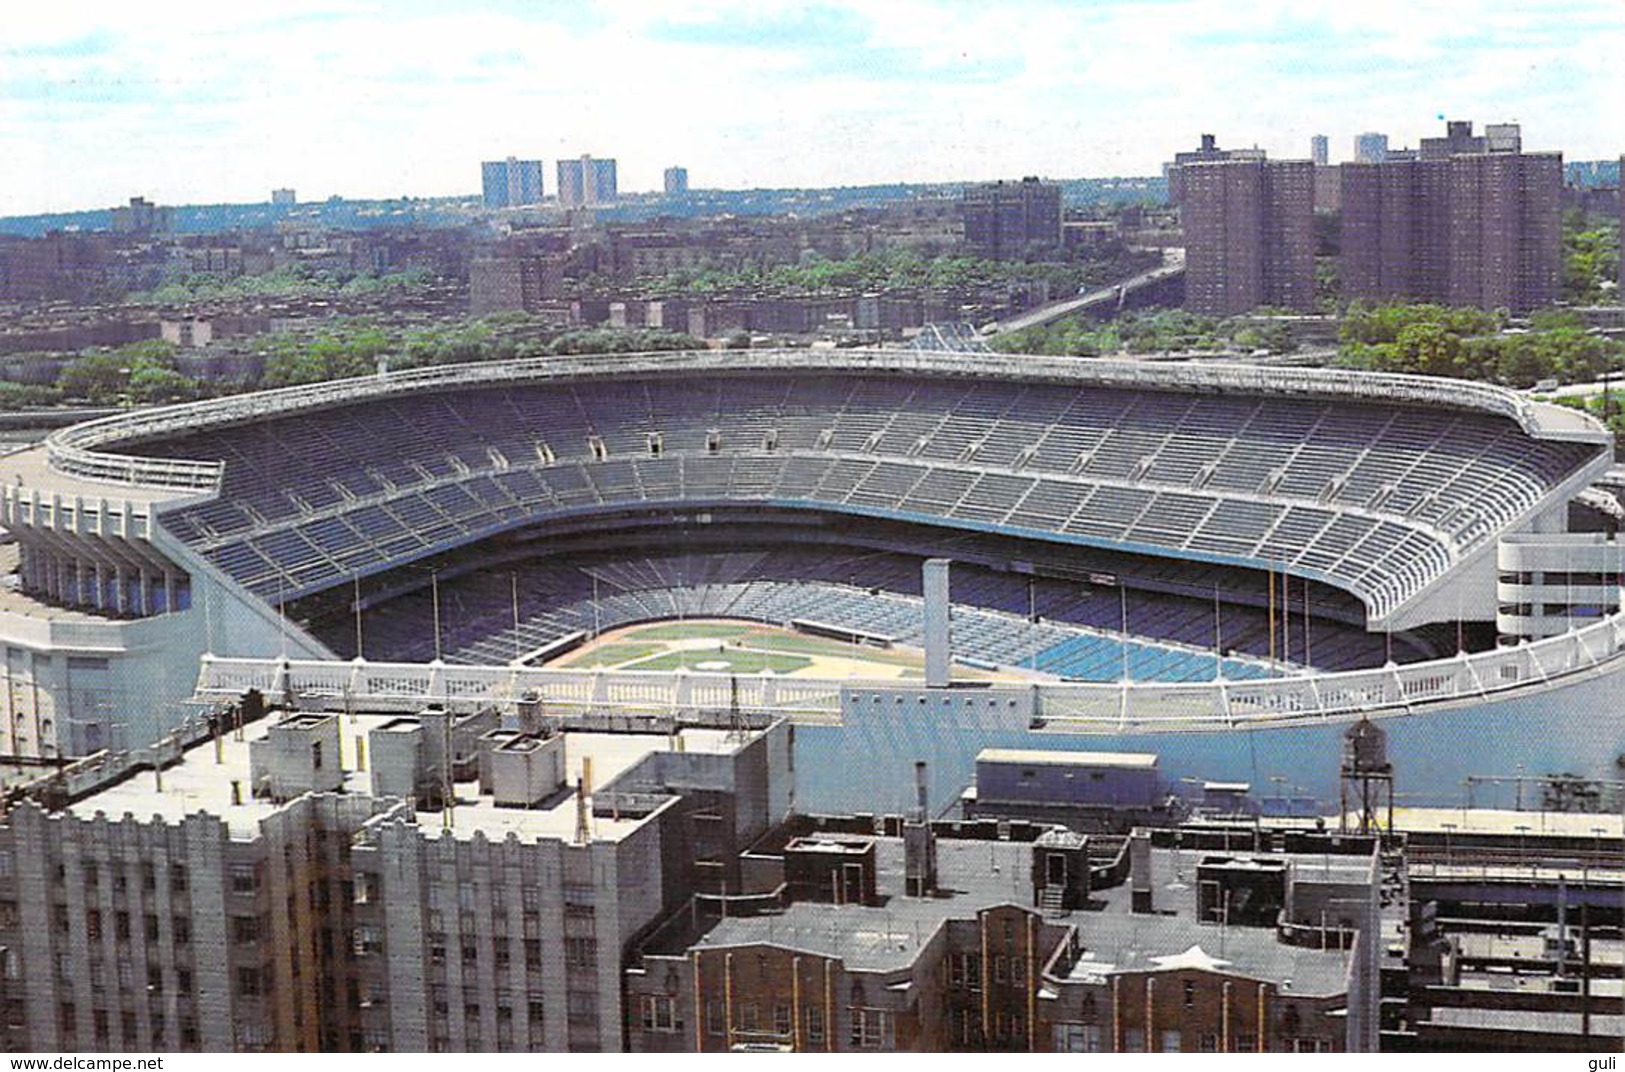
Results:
<point x="96" y="378"/>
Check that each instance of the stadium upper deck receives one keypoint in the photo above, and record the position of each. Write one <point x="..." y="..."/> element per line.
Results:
<point x="1376" y="485"/>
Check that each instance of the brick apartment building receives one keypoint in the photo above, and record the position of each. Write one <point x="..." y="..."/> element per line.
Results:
<point x="1470" y="221"/>
<point x="842" y="941"/>
<point x="1249" y="234"/>
<point x="1012" y="220"/>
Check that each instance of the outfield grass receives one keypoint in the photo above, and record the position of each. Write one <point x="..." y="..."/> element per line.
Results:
<point x="739" y="662"/>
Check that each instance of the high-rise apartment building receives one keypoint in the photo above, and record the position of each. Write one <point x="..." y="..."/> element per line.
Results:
<point x="510" y="183"/>
<point x="284" y="196"/>
<point x="1370" y="148"/>
<point x="1208" y="152"/>
<point x="1011" y="220"/>
<point x="676" y="181"/>
<point x="141" y="217"/>
<point x="1249" y="235"/>
<point x="586" y="181"/>
<point x="1319" y="150"/>
<point x="1471" y="220"/>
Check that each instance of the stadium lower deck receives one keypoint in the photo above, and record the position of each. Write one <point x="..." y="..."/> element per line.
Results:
<point x="532" y="608"/>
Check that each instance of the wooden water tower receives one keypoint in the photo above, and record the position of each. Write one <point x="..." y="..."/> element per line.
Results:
<point x="1368" y="777"/>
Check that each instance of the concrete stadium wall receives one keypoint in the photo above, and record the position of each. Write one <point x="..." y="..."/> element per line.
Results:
<point x="866" y="763"/>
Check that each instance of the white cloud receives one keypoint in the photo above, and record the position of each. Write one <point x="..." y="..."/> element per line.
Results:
<point x="187" y="102"/>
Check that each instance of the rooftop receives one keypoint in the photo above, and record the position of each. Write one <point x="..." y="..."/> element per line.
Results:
<point x="199" y="783"/>
<point x="974" y="875"/>
<point x="1506" y="821"/>
<point x="1526" y="1020"/>
<point x="1059" y="758"/>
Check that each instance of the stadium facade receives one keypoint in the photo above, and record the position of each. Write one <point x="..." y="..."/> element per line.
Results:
<point x="1365" y="545"/>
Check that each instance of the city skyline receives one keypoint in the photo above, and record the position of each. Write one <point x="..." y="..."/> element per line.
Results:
<point x="192" y="105"/>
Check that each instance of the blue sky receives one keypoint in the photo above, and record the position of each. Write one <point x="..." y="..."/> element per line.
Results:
<point x="190" y="103"/>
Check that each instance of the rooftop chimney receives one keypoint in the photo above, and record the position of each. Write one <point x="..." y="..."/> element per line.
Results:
<point x="919" y="843"/>
<point x="1139" y="871"/>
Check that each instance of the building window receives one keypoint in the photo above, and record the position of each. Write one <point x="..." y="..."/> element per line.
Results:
<point x="1170" y="1041"/>
<point x="248" y="982"/>
<point x="715" y="1021"/>
<point x="580" y="952"/>
<point x="1246" y="1044"/>
<point x="364" y="941"/>
<point x="660" y="1014"/>
<point x="781" y="1020"/>
<point x="245" y="929"/>
<point x="1133" y="1040"/>
<point x="253" y="1036"/>
<point x="965" y="970"/>
<point x="749" y="1019"/>
<point x="872" y="1029"/>
<point x="815" y="1023"/>
<point x="1077" y="1038"/>
<point x="243" y="879"/>
<point x="581" y="1007"/>
<point x="1210" y="1043"/>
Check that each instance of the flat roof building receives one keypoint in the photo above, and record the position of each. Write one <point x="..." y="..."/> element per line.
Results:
<point x="989" y="960"/>
<point x="1249" y="235"/>
<point x="1370" y="148"/>
<point x="586" y="182"/>
<point x="1012" y="220"/>
<point x="1471" y="220"/>
<point x="511" y="183"/>
<point x="257" y="891"/>
<point x="1319" y="150"/>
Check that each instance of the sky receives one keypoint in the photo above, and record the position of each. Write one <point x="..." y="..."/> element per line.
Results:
<point x="187" y="103"/>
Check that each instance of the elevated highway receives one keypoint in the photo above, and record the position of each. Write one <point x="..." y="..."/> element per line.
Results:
<point x="1108" y="300"/>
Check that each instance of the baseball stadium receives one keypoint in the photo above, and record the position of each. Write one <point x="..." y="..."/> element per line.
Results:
<point x="912" y="555"/>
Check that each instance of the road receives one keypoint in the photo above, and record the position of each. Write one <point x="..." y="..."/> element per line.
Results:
<point x="1055" y="310"/>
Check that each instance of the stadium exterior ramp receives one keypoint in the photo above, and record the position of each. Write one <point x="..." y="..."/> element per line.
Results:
<point x="179" y="530"/>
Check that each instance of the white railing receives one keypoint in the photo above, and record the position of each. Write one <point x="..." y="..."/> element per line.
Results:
<point x="75" y="450"/>
<point x="1070" y="706"/>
